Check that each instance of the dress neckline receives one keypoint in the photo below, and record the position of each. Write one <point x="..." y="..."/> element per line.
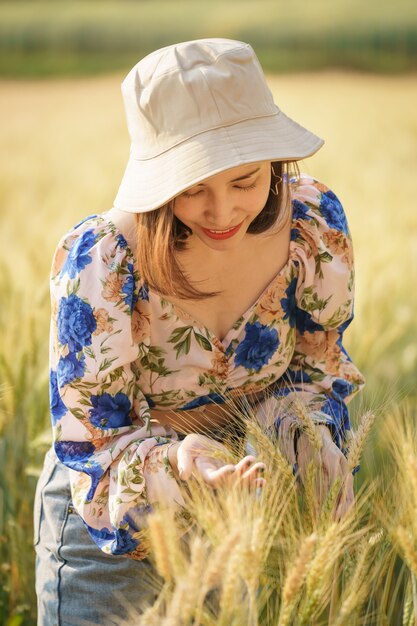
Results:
<point x="225" y="342"/>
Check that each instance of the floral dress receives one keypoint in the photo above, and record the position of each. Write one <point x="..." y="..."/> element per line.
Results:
<point x="117" y="349"/>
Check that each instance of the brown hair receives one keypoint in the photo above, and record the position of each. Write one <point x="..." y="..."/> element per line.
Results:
<point x="160" y="234"/>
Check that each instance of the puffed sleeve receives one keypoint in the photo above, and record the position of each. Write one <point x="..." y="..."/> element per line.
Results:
<point x="100" y="417"/>
<point x="319" y="305"/>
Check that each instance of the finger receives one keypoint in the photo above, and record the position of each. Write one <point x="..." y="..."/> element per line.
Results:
<point x="259" y="484"/>
<point x="244" y="463"/>
<point x="249" y="464"/>
<point x="211" y="472"/>
<point x="255" y="471"/>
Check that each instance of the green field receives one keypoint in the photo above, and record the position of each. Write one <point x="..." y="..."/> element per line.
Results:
<point x="66" y="147"/>
<point x="73" y="37"/>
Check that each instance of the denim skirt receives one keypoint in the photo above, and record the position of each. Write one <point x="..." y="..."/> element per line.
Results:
<point x="76" y="583"/>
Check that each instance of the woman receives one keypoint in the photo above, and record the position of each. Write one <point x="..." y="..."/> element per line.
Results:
<point x="215" y="279"/>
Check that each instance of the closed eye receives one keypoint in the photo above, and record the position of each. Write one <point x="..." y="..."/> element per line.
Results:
<point x="186" y="194"/>
<point x="248" y="188"/>
<point x="191" y="195"/>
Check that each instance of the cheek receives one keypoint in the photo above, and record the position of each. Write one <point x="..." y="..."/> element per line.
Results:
<point x="258" y="203"/>
<point x="181" y="212"/>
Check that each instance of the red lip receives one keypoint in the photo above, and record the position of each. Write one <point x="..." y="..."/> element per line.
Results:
<point x="225" y="235"/>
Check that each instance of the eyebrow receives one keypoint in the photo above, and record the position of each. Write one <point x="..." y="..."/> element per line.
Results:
<point x="235" y="180"/>
<point x="245" y="175"/>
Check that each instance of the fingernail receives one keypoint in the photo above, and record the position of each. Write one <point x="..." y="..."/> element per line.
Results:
<point x="261" y="470"/>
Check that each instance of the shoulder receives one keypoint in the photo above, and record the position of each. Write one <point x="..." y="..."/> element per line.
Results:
<point x="94" y="262"/>
<point x="94" y="239"/>
<point x="313" y="201"/>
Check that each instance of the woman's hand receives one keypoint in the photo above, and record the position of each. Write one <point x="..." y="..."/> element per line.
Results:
<point x="201" y="455"/>
<point x="332" y="465"/>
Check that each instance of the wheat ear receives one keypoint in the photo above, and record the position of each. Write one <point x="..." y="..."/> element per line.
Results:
<point x="358" y="442"/>
<point x="295" y="579"/>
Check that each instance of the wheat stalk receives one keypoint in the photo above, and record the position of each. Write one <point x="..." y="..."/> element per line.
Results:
<point x="317" y="578"/>
<point x="357" y="589"/>
<point x="295" y="579"/>
<point x="307" y="424"/>
<point x="231" y="582"/>
<point x="358" y="442"/>
<point x="187" y="589"/>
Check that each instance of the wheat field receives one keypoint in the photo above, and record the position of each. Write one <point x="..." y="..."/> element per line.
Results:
<point x="64" y="145"/>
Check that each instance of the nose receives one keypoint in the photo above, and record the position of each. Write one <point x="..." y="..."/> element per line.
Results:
<point x="220" y="212"/>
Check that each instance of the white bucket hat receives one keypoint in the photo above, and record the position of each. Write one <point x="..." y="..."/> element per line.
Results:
<point x="195" y="109"/>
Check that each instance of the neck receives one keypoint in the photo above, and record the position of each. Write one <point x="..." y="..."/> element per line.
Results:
<point x="210" y="257"/>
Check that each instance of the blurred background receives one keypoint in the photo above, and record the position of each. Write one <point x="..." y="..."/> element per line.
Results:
<point x="344" y="68"/>
<point x="55" y="38"/>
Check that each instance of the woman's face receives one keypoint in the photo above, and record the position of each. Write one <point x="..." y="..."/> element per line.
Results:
<point x="229" y="200"/>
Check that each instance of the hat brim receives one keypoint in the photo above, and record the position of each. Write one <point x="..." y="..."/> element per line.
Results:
<point x="148" y="184"/>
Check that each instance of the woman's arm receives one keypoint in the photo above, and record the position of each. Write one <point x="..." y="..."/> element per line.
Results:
<point x="321" y="378"/>
<point x="320" y="304"/>
<point x="101" y="421"/>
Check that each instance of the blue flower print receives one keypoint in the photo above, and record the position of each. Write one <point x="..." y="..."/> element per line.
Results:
<point x="144" y="293"/>
<point x="120" y="541"/>
<point x="300" y="210"/>
<point x="74" y="452"/>
<point x="77" y="456"/>
<point x="342" y="388"/>
<point x="337" y="412"/>
<point x="333" y="212"/>
<point x="338" y="419"/>
<point x="58" y="408"/>
<point x="101" y="536"/>
<point x="136" y="517"/>
<point x="150" y="401"/>
<point x="76" y="323"/>
<point x="85" y="220"/>
<point x="295" y="233"/>
<point x="258" y="346"/>
<point x="296" y="376"/>
<point x="128" y="288"/>
<point x="110" y="411"/>
<point x="69" y="368"/>
<point x="123" y="543"/>
<point x="305" y="322"/>
<point x="78" y="256"/>
<point x="289" y="304"/>
<point x="202" y="400"/>
<point x="121" y="242"/>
